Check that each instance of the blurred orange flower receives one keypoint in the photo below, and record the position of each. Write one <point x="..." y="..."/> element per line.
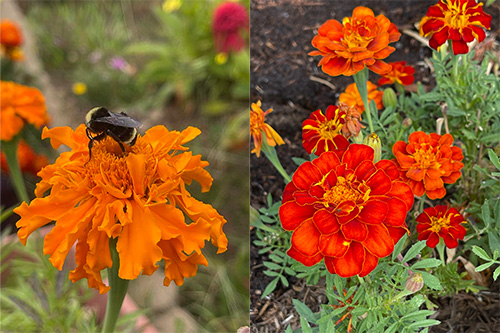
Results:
<point x="20" y="104"/>
<point x="258" y="126"/>
<point x="139" y="197"/>
<point x="29" y="161"/>
<point x="322" y="132"/>
<point x="441" y="221"/>
<point x="352" y="97"/>
<point x="399" y="73"/>
<point x="428" y="161"/>
<point x="10" y="40"/>
<point x="353" y="124"/>
<point x="461" y="21"/>
<point x="359" y="41"/>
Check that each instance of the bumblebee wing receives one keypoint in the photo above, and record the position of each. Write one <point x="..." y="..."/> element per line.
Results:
<point x="119" y="119"/>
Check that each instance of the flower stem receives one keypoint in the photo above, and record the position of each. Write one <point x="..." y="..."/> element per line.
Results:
<point x="116" y="293"/>
<point x="361" y="79"/>
<point x="421" y="206"/>
<point x="272" y="156"/>
<point x="10" y="150"/>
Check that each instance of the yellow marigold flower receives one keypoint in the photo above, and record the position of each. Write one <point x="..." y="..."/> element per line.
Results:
<point x="79" y="88"/>
<point x="171" y="5"/>
<point x="258" y="126"/>
<point x="139" y="197"/>
<point x="20" y="104"/>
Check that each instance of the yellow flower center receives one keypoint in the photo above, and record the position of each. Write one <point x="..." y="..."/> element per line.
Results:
<point x="356" y="34"/>
<point x="437" y="223"/>
<point x="455" y="16"/>
<point x="425" y="157"/>
<point x="330" y="129"/>
<point x="345" y="190"/>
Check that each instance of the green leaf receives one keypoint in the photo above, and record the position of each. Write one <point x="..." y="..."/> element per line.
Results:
<point x="494" y="158"/>
<point x="494" y="242"/>
<point x="306" y="328"/>
<point x="272" y="265"/>
<point x="484" y="266"/>
<point x="271" y="273"/>
<point x="431" y="281"/>
<point x="413" y="251"/>
<point x="289" y="329"/>
<point x="270" y="287"/>
<point x="415" y="315"/>
<point x="480" y="253"/>
<point x="399" y="246"/>
<point x="298" y="161"/>
<point x="304" y="311"/>
<point x="424" y="323"/>
<point x="485" y="213"/>
<point x="426" y="263"/>
<point x="284" y="281"/>
<point x="496" y="273"/>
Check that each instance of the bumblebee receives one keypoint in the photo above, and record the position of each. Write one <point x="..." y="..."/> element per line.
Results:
<point x="101" y="122"/>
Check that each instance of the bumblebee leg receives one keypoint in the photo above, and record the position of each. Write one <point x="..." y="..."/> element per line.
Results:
<point x="116" y="138"/>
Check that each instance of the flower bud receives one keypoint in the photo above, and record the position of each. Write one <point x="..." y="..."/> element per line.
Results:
<point x="415" y="282"/>
<point x="407" y="122"/>
<point x="390" y="98"/>
<point x="374" y="141"/>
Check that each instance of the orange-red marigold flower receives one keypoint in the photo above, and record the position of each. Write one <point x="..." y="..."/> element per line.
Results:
<point x="139" y="197"/>
<point x="345" y="209"/>
<point x="359" y="41"/>
<point x="19" y="104"/>
<point x="399" y="73"/>
<point x="258" y="126"/>
<point x="352" y="97"/>
<point x="460" y="21"/>
<point x="439" y="221"/>
<point x="322" y="132"/>
<point x="428" y="161"/>
<point x="29" y="161"/>
<point x="10" y="34"/>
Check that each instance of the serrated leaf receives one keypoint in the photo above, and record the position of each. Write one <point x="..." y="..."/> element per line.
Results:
<point x="270" y="287"/>
<point x="413" y="251"/>
<point x="484" y="266"/>
<point x="494" y="158"/>
<point x="431" y="281"/>
<point x="480" y="253"/>
<point x="426" y="263"/>
<point x="304" y="311"/>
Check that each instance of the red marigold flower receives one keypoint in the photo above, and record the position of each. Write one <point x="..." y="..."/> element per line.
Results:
<point x="345" y="209"/>
<point x="352" y="97"/>
<point x="321" y="132"/>
<point x="29" y="160"/>
<point x="353" y="124"/>
<point x="399" y="73"/>
<point x="139" y="197"/>
<point x="229" y="20"/>
<point x="359" y="41"/>
<point x="20" y="104"/>
<point x="458" y="20"/>
<point x="439" y="221"/>
<point x="258" y="126"/>
<point x="428" y="161"/>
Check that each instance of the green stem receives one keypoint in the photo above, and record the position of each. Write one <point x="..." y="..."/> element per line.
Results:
<point x="10" y="150"/>
<point x="272" y="156"/>
<point x="116" y="293"/>
<point x="361" y="79"/>
<point x="421" y="206"/>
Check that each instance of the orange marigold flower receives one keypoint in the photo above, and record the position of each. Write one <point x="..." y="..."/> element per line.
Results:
<point x="345" y="209"/>
<point x="10" y="34"/>
<point x="439" y="221"/>
<point x="428" y="161"/>
<point x="399" y="73"/>
<point x="352" y="97"/>
<point x="29" y="161"/>
<point x="322" y="132"/>
<point x="258" y="127"/>
<point x="139" y="197"/>
<point x="460" y="21"/>
<point x="359" y="41"/>
<point x="353" y="124"/>
<point x="20" y="104"/>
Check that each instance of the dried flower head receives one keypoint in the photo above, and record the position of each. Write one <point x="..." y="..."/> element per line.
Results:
<point x="460" y="21"/>
<point x="139" y="197"/>
<point x="359" y="41"/>
<point x="428" y="161"/>
<point x="441" y="222"/>
<point x="230" y="20"/>
<point x="352" y="125"/>
<point x="258" y="127"/>
<point x="19" y="105"/>
<point x="352" y="97"/>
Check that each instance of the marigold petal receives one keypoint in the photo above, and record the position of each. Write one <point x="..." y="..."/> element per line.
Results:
<point x="334" y="245"/>
<point x="369" y="264"/>
<point x="305" y="238"/>
<point x="365" y="170"/>
<point x="352" y="263"/>
<point x="360" y="12"/>
<point x="379" y="183"/>
<point x="355" y="230"/>
<point x="403" y="192"/>
<point x="305" y="260"/>
<point x="356" y="154"/>
<point x="306" y="174"/>
<point x="380" y="67"/>
<point x="398" y="209"/>
<point x="292" y="215"/>
<point x="374" y="212"/>
<point x="326" y="222"/>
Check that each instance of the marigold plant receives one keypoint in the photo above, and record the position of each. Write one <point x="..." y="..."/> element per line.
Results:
<point x="322" y="132"/>
<point x="138" y="197"/>
<point x="441" y="222"/>
<point x="258" y="127"/>
<point x="352" y="97"/>
<point x="428" y="161"/>
<point x="460" y="21"/>
<point x="399" y="73"/>
<point x="229" y="21"/>
<point x="344" y="208"/>
<point x="20" y="104"/>
<point x="359" y="41"/>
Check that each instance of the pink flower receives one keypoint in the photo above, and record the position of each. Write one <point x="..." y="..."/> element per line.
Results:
<point x="228" y="21"/>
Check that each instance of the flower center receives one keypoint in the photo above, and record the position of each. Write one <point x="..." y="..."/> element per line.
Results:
<point x="437" y="223"/>
<point x="357" y="34"/>
<point x="330" y="129"/>
<point x="455" y="16"/>
<point x="425" y="157"/>
<point x="343" y="191"/>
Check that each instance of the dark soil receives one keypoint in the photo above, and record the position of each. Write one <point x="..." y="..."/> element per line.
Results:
<point x="284" y="77"/>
